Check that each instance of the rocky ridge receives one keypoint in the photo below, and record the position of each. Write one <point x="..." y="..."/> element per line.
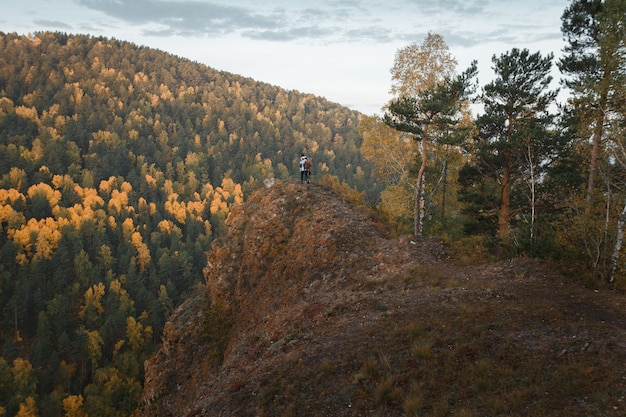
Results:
<point x="310" y="310"/>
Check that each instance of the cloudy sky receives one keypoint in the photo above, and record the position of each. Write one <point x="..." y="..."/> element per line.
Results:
<point x="339" y="49"/>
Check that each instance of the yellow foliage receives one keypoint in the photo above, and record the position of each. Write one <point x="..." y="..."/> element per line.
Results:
<point x="207" y="190"/>
<point x="391" y="153"/>
<point x="128" y="227"/>
<point x="27" y="112"/>
<point x="396" y="201"/>
<point x="126" y="187"/>
<point x="47" y="239"/>
<point x="106" y="186"/>
<point x="42" y="236"/>
<point x="168" y="187"/>
<point x="21" y="259"/>
<point x="143" y="253"/>
<point x="22" y="372"/>
<point x="54" y="133"/>
<point x="59" y="181"/>
<point x="104" y="136"/>
<point x="36" y="153"/>
<point x="228" y="187"/>
<point x="93" y="297"/>
<point x="73" y="406"/>
<point x="59" y="122"/>
<point x="150" y="180"/>
<point x="196" y="207"/>
<point x="136" y="240"/>
<point x="15" y="177"/>
<point x="140" y="77"/>
<point x="6" y="105"/>
<point x="118" y="346"/>
<point x="175" y="208"/>
<point x="43" y="189"/>
<point x="13" y="218"/>
<point x="29" y="99"/>
<point x="77" y="94"/>
<point x="134" y="333"/>
<point x="166" y="94"/>
<point x="75" y="215"/>
<point x="216" y="204"/>
<point x="28" y="408"/>
<point x="116" y="288"/>
<point x="22" y="237"/>
<point x="238" y="194"/>
<point x="112" y="223"/>
<point x="417" y="67"/>
<point x="165" y="226"/>
<point x="94" y="343"/>
<point x="192" y="159"/>
<point x="118" y="201"/>
<point x="89" y="196"/>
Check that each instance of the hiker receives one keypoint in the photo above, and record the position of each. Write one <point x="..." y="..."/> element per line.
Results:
<point x="305" y="168"/>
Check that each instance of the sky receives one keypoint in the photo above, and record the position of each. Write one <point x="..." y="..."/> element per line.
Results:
<point x="342" y="50"/>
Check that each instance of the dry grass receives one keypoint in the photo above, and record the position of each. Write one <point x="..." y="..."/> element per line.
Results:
<point x="474" y="352"/>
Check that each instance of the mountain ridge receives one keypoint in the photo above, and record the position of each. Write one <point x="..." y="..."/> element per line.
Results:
<point x="349" y="322"/>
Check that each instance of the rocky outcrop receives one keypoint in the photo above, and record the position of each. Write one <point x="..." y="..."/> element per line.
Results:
<point x="310" y="310"/>
<point x="297" y="258"/>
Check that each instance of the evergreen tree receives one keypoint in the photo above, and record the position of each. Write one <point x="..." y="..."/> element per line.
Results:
<point x="512" y="143"/>
<point x="594" y="66"/>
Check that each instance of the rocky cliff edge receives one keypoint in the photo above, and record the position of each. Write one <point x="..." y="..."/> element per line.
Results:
<point x="310" y="310"/>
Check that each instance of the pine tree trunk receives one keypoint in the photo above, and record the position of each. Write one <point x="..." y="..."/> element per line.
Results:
<point x="505" y="207"/>
<point x="532" y="194"/>
<point x="595" y="153"/>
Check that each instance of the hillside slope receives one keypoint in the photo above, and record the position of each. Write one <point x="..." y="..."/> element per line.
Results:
<point x="118" y="167"/>
<point x="309" y="310"/>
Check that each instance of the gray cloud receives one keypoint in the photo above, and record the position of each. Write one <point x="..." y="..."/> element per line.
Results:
<point x="289" y="33"/>
<point x="464" y="8"/>
<point x="376" y="34"/>
<point x="462" y="22"/>
<point x="191" y="18"/>
<point x="53" y="24"/>
<point x="340" y="21"/>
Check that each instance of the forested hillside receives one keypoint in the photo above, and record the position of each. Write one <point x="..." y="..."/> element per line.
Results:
<point x="118" y="166"/>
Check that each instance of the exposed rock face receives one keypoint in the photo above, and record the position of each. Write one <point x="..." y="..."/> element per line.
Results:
<point x="309" y="310"/>
<point x="290" y="270"/>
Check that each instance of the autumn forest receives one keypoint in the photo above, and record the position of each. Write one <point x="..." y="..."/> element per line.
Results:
<point x="119" y="165"/>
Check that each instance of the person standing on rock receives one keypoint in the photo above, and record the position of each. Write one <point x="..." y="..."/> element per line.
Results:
<point x="305" y="168"/>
